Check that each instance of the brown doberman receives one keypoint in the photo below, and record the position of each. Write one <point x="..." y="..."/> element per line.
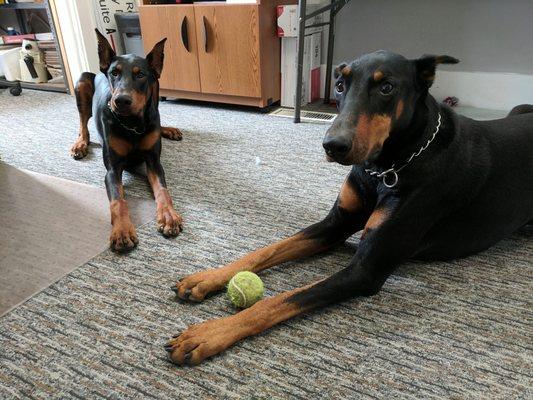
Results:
<point x="124" y="100"/>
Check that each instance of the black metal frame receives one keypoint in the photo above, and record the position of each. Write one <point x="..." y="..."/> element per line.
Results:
<point x="334" y="7"/>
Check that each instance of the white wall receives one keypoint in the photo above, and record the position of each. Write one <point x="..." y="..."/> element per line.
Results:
<point x="492" y="38"/>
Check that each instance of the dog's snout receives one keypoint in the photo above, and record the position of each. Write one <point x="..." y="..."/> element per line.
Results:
<point x="336" y="146"/>
<point x="123" y="101"/>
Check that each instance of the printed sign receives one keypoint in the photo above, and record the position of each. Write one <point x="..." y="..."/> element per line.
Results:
<point x="105" y="18"/>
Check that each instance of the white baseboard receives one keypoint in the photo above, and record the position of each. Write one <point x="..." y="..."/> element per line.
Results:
<point x="494" y="91"/>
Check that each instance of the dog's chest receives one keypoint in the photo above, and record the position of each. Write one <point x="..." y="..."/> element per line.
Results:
<point x="123" y="146"/>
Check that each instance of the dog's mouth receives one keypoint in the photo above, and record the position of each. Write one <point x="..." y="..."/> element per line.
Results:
<point x="123" y="111"/>
<point x="343" y="160"/>
<point x="355" y="157"/>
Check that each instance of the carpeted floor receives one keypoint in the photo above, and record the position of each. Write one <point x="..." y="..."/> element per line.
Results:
<point x="457" y="330"/>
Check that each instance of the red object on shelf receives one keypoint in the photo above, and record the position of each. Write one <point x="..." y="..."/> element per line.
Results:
<point x="17" y="38"/>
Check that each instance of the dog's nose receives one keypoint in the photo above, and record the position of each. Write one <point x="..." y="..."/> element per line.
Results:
<point x="335" y="146"/>
<point x="123" y="100"/>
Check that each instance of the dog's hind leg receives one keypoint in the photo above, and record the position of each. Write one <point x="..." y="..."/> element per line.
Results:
<point x="171" y="133"/>
<point x="521" y="109"/>
<point x="84" y="91"/>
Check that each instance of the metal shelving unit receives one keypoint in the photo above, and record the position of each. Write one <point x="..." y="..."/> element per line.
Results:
<point x="334" y="7"/>
<point x="52" y="87"/>
<point x="23" y="6"/>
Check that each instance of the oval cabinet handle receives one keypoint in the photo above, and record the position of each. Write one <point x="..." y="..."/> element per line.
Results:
<point x="204" y="19"/>
<point x="185" y="34"/>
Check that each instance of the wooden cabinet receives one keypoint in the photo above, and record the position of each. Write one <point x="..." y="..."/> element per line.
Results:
<point x="229" y="61"/>
<point x="216" y="51"/>
<point x="180" y="67"/>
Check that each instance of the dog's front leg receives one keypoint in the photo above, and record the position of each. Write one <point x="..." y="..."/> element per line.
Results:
<point x="206" y="339"/>
<point x="169" y="222"/>
<point x="386" y="243"/>
<point x="123" y="236"/>
<point x="346" y="217"/>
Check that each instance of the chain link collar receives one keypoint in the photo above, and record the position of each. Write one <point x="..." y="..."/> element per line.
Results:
<point x="117" y="118"/>
<point x="390" y="176"/>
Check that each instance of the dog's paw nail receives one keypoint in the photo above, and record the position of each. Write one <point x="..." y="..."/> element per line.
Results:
<point x="169" y="347"/>
<point x="169" y="358"/>
<point x="174" y="289"/>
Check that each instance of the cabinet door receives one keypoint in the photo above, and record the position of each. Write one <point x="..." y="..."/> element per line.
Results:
<point x="228" y="48"/>
<point x="177" y="24"/>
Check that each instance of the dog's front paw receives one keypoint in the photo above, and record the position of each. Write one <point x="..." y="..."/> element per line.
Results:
<point x="201" y="341"/>
<point x="171" y="133"/>
<point x="169" y="222"/>
<point x="197" y="286"/>
<point x="123" y="237"/>
<point x="79" y="150"/>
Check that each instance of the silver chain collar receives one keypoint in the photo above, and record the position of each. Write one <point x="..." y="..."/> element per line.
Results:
<point x="117" y="118"/>
<point x="390" y="176"/>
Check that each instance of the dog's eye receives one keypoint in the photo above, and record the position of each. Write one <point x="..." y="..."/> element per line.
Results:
<point x="114" y="72"/>
<point x="339" y="87"/>
<point x="386" y="88"/>
<point x="140" y="75"/>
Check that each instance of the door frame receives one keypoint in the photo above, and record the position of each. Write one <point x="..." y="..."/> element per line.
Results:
<point x="75" y="24"/>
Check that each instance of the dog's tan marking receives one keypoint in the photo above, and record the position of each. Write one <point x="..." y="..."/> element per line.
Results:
<point x="195" y="287"/>
<point x="119" y="145"/>
<point x="370" y="133"/>
<point x="399" y="109"/>
<point x="204" y="340"/>
<point x="138" y="102"/>
<point x="84" y="93"/>
<point x="135" y="70"/>
<point x="171" y="133"/>
<point x="168" y="220"/>
<point x="378" y="76"/>
<point x="149" y="140"/>
<point x="349" y="199"/>
<point x="376" y="219"/>
<point x="123" y="235"/>
<point x="346" y="71"/>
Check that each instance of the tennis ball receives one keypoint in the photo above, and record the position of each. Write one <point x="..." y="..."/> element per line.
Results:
<point x="245" y="289"/>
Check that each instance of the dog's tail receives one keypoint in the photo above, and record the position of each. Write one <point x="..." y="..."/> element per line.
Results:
<point x="521" y="109"/>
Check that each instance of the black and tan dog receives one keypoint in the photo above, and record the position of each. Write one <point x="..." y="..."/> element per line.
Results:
<point x="124" y="100"/>
<point x="426" y="183"/>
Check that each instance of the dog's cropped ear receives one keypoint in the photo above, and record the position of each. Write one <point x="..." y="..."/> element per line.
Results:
<point x="156" y="56"/>
<point x="339" y="70"/>
<point x="426" y="66"/>
<point x="105" y="52"/>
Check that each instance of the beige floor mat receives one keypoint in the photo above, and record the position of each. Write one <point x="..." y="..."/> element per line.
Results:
<point x="48" y="227"/>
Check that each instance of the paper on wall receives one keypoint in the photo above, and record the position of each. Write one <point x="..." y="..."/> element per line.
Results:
<point x="105" y="19"/>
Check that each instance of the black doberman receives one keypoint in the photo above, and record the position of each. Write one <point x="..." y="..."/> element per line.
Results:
<point x="124" y="100"/>
<point x="426" y="183"/>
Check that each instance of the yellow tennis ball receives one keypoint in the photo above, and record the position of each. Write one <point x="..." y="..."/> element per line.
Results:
<point x="245" y="289"/>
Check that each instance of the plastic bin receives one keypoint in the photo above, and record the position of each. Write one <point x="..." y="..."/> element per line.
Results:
<point x="129" y="28"/>
<point x="9" y="64"/>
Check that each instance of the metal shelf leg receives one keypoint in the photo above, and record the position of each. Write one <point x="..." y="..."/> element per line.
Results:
<point x="299" y="65"/>
<point x="329" y="62"/>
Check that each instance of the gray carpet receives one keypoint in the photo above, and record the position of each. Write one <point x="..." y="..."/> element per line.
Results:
<point x="51" y="226"/>
<point x="456" y="330"/>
